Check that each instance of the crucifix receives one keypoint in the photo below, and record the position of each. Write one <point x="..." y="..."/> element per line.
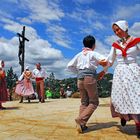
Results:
<point x="21" y="52"/>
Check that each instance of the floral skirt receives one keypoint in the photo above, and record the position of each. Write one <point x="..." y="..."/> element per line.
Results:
<point x="24" y="88"/>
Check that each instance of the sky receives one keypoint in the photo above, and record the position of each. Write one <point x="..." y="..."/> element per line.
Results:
<point x="56" y="28"/>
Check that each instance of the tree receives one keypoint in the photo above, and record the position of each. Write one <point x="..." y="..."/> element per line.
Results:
<point x="50" y="81"/>
<point x="104" y="85"/>
<point x="72" y="82"/>
<point x="52" y="76"/>
<point x="53" y="85"/>
<point x="11" y="79"/>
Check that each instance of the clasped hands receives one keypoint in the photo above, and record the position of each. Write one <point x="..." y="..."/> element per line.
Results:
<point x="101" y="74"/>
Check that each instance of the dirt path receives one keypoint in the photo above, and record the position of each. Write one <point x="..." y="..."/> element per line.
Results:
<point x="54" y="120"/>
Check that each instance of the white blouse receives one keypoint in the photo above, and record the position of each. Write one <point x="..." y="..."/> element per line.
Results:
<point x="85" y="61"/>
<point x="39" y="73"/>
<point x="117" y="54"/>
<point x="21" y="77"/>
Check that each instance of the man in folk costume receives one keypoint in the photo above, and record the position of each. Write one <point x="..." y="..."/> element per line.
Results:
<point x="125" y="96"/>
<point x="3" y="88"/>
<point x="85" y="64"/>
<point x="40" y="75"/>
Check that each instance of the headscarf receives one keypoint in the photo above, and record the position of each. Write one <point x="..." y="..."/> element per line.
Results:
<point x="0" y="64"/>
<point x="27" y="68"/>
<point x="122" y="24"/>
<point x="1" y="61"/>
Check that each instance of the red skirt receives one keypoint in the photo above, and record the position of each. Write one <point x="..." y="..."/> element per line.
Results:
<point x="3" y="91"/>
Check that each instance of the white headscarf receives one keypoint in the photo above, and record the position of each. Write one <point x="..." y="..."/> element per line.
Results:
<point x="122" y="24"/>
<point x="1" y="63"/>
<point x="27" y="68"/>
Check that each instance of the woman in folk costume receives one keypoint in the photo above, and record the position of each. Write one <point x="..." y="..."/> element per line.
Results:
<point x="125" y="96"/>
<point x="24" y="87"/>
<point x="3" y="88"/>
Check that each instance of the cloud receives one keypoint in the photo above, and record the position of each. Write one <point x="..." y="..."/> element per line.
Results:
<point x="84" y="15"/>
<point x="62" y="27"/>
<point x="11" y="25"/>
<point x="135" y="29"/>
<point x="110" y="39"/>
<point x="36" y="50"/>
<point x="92" y="27"/>
<point x="88" y="19"/>
<point x="102" y="48"/>
<point x="125" y="12"/>
<point x="5" y="14"/>
<point x="43" y="10"/>
<point x="24" y="20"/>
<point x="15" y="27"/>
<point x="60" y="35"/>
<point x="59" y="68"/>
<point x="7" y="49"/>
<point x="42" y="49"/>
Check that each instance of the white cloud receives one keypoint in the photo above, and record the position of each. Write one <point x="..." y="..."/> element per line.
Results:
<point x="102" y="48"/>
<point x="125" y="12"/>
<point x="59" y="35"/>
<point x="62" y="41"/>
<point x="43" y="10"/>
<point x="98" y="25"/>
<point x="5" y="14"/>
<point x="36" y="50"/>
<point x="84" y="15"/>
<point x="94" y="26"/>
<point x="42" y="49"/>
<point x="15" y="27"/>
<point x="59" y="68"/>
<point x="57" y="29"/>
<point x="7" y="50"/>
<point x="135" y="29"/>
<point x="110" y="39"/>
<point x="88" y="19"/>
<point x="25" y="20"/>
<point x="11" y="25"/>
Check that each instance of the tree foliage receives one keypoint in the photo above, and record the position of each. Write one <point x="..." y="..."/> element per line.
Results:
<point x="11" y="79"/>
<point x="54" y="85"/>
<point x="104" y="85"/>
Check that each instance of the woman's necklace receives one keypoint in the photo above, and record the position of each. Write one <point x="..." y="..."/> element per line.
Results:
<point x="124" y="39"/>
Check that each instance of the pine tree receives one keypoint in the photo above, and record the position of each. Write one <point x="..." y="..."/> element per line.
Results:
<point x="11" y="79"/>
